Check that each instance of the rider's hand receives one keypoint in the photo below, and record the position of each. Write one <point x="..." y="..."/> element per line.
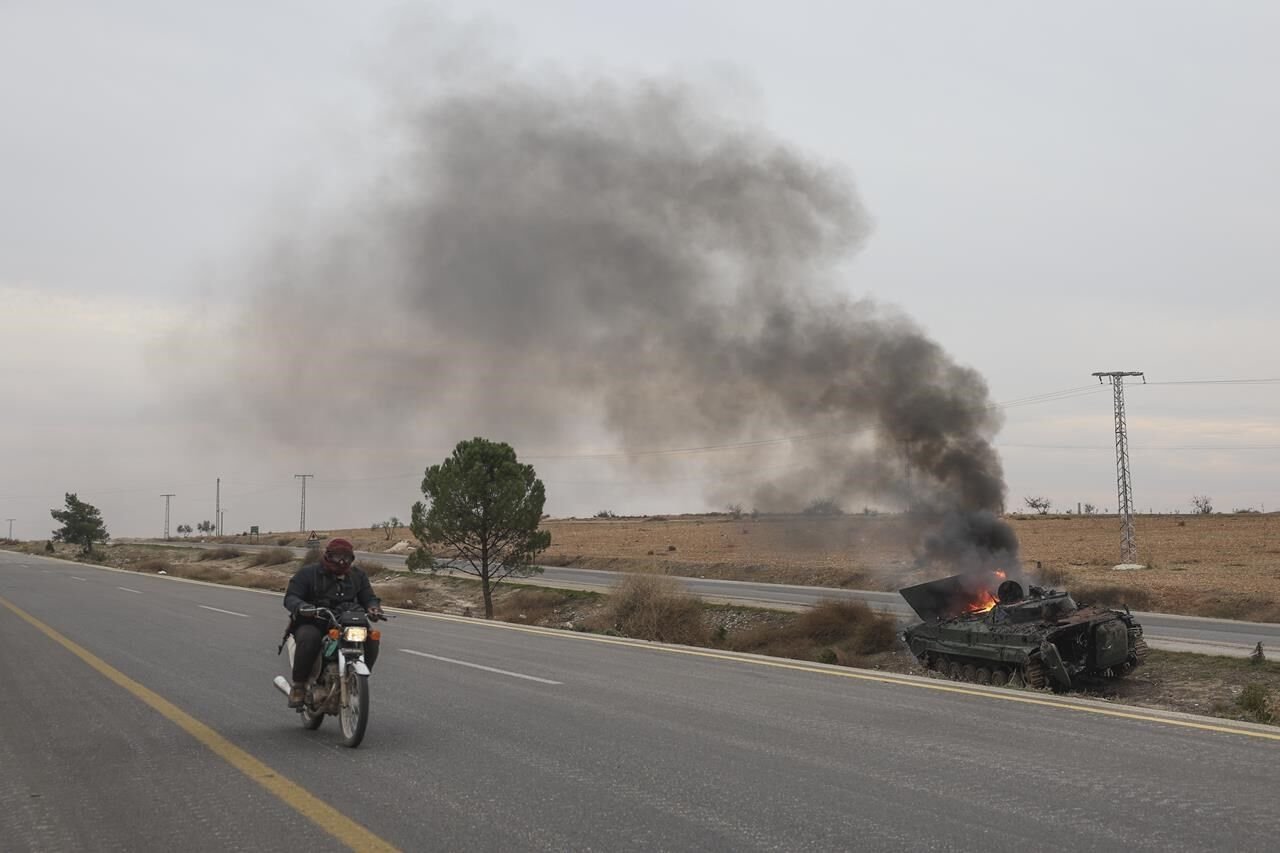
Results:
<point x="305" y="610"/>
<point x="375" y="613"/>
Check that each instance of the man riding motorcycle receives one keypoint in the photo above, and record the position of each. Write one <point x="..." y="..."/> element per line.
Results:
<point x="332" y="583"/>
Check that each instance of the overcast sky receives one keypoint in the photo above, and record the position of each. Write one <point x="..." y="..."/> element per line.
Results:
<point x="1053" y="189"/>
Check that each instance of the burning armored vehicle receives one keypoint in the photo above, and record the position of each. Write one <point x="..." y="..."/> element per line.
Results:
<point x="1041" y="638"/>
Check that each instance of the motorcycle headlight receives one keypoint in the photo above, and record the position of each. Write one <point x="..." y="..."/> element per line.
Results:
<point x="355" y="635"/>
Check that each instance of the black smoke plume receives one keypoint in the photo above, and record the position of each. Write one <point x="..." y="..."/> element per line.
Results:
<point x="543" y="254"/>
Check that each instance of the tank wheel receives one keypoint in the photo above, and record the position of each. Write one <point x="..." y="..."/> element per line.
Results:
<point x="955" y="671"/>
<point x="968" y="673"/>
<point x="1033" y="674"/>
<point x="983" y="675"/>
<point x="999" y="676"/>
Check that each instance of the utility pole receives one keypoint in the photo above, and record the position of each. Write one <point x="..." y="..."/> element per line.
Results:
<point x="12" y="520"/>
<point x="217" y="509"/>
<point x="302" y="517"/>
<point x="222" y="516"/>
<point x="1124" y="488"/>
<point x="166" y="514"/>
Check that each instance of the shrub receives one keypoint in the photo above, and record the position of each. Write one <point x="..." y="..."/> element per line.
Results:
<point x="284" y="540"/>
<point x="212" y="574"/>
<point x="271" y="557"/>
<point x="825" y="506"/>
<point x="832" y="631"/>
<point x="1253" y="700"/>
<point x="218" y="554"/>
<point x="656" y="607"/>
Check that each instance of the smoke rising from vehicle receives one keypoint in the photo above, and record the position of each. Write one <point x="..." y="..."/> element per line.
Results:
<point x="544" y="254"/>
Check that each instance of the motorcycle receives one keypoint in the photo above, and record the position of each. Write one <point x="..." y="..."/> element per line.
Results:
<point x="339" y="681"/>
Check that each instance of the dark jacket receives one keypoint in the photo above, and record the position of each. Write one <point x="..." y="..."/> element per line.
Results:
<point x="313" y="585"/>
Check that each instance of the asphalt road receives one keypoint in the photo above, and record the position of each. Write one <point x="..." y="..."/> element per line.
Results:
<point x="487" y="736"/>
<point x="1163" y="630"/>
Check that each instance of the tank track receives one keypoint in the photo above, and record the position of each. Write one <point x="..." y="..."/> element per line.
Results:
<point x="1139" y="644"/>
<point x="1033" y="674"/>
<point x="943" y="665"/>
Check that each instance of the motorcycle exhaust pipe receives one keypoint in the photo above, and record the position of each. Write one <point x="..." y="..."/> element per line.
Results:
<point x="282" y="684"/>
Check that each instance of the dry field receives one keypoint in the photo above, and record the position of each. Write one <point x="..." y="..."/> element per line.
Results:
<point x="1214" y="565"/>
<point x="1225" y="565"/>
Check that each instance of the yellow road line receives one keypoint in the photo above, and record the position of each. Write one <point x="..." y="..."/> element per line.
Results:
<point x="1005" y="696"/>
<point x="308" y="805"/>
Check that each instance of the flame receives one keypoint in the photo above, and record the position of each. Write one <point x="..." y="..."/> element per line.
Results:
<point x="983" y="602"/>
<point x="1000" y="574"/>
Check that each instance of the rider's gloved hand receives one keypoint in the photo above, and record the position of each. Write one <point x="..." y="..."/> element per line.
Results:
<point x="305" y="610"/>
<point x="375" y="613"/>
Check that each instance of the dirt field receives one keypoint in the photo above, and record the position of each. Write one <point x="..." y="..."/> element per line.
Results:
<point x="1210" y="565"/>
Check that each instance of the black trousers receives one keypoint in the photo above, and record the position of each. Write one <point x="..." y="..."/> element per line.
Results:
<point x="307" y="639"/>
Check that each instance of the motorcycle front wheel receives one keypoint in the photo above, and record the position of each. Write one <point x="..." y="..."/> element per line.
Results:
<point x="354" y="715"/>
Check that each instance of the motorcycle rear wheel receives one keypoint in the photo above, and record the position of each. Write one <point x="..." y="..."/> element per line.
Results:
<point x="354" y="716"/>
<point x="311" y="720"/>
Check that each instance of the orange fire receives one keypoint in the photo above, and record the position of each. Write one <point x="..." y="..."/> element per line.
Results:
<point x="983" y="602"/>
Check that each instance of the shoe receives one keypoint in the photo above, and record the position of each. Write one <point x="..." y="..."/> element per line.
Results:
<point x="297" y="694"/>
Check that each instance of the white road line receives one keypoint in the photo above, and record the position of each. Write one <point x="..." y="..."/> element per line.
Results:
<point x="485" y="668"/>
<point x="134" y="591"/>
<point x="74" y="578"/>
<point x="220" y="610"/>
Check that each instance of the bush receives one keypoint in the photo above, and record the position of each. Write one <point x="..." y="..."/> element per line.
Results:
<point x="218" y="554"/>
<point x="826" y="506"/>
<point x="656" y="607"/>
<point x="271" y="557"/>
<point x="832" y="631"/>
<point x="1253" y="699"/>
<point x="213" y="574"/>
<point x="284" y="540"/>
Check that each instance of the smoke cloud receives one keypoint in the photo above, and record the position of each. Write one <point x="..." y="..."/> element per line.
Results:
<point x="543" y="257"/>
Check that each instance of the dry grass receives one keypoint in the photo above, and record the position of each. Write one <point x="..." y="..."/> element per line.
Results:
<point x="155" y="566"/>
<point x="408" y="594"/>
<point x="533" y="606"/>
<point x="655" y="607"/>
<point x="195" y="571"/>
<point x="219" y="554"/>
<point x="271" y="557"/>
<point x="832" y="631"/>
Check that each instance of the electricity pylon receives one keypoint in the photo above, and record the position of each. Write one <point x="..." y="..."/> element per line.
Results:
<point x="1124" y="486"/>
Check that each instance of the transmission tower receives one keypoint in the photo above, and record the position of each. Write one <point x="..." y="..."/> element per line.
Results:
<point x="302" y="517"/>
<point x="166" y="515"/>
<point x="1124" y="488"/>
